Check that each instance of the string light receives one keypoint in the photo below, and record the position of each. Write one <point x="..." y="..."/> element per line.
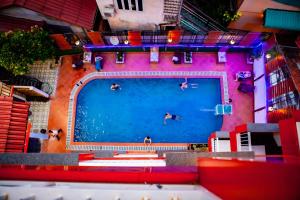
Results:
<point x="268" y="55"/>
<point x="77" y="42"/>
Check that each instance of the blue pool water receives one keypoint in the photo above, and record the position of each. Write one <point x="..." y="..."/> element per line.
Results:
<point x="138" y="109"/>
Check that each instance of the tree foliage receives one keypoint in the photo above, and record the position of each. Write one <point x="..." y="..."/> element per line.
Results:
<point x="19" y="49"/>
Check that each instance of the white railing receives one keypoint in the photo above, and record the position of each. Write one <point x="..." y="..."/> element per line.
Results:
<point x="244" y="142"/>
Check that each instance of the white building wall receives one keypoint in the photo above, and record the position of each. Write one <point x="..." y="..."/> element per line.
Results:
<point x="16" y="190"/>
<point x="260" y="96"/>
<point x="148" y="19"/>
<point x="223" y="146"/>
<point x="260" y="116"/>
<point x="258" y="67"/>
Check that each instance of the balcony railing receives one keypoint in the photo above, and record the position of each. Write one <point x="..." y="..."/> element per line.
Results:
<point x="161" y="38"/>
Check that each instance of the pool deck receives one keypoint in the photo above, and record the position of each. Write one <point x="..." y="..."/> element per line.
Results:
<point x="202" y="61"/>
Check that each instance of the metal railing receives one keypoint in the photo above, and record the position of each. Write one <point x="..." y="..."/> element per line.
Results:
<point x="186" y="37"/>
<point x="194" y="20"/>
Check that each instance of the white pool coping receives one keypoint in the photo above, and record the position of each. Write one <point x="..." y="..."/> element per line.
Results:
<point x="139" y="74"/>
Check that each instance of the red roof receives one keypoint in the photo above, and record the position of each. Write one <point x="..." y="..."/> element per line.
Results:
<point x="13" y="125"/>
<point x="8" y="23"/>
<point x="78" y="12"/>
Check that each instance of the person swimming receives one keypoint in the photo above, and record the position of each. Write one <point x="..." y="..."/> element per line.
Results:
<point x="115" y="86"/>
<point x="184" y="85"/>
<point x="170" y="116"/>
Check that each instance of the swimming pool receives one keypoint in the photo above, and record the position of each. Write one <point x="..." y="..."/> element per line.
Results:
<point x="137" y="110"/>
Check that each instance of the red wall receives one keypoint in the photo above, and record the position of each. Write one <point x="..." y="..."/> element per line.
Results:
<point x="233" y="179"/>
<point x="166" y="175"/>
<point x="289" y="137"/>
<point x="233" y="145"/>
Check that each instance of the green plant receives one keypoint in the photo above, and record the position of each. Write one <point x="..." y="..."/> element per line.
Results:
<point x="19" y="49"/>
<point x="229" y="16"/>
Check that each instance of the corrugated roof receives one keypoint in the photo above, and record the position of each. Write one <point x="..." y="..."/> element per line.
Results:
<point x="282" y="19"/>
<point x="78" y="12"/>
<point x="11" y="23"/>
<point x="13" y="125"/>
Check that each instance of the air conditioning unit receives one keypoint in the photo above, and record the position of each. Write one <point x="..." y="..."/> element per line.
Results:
<point x="109" y="11"/>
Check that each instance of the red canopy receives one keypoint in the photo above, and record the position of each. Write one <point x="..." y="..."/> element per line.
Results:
<point x="135" y="38"/>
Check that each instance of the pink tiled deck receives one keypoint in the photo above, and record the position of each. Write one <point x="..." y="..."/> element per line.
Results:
<point x="242" y="103"/>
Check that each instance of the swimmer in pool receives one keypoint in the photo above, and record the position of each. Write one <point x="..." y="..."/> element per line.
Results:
<point x="184" y="85"/>
<point x="115" y="86"/>
<point x="169" y="116"/>
<point x="147" y="141"/>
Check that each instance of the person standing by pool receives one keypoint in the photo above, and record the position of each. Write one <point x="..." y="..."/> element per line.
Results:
<point x="170" y="116"/>
<point x="115" y="86"/>
<point x="147" y="141"/>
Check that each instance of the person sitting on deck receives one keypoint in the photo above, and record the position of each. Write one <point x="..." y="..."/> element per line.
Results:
<point x="169" y="116"/>
<point x="147" y="141"/>
<point x="115" y="86"/>
<point x="55" y="134"/>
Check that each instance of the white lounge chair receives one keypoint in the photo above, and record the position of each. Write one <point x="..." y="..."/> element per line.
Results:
<point x="223" y="109"/>
<point x="154" y="54"/>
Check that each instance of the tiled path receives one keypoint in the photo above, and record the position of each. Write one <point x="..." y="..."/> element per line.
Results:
<point x="242" y="103"/>
<point x="45" y="72"/>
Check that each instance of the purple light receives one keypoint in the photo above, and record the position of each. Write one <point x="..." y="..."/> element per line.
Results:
<point x="164" y="45"/>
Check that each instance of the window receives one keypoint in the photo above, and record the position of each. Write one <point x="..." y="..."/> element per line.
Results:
<point x="277" y="76"/>
<point x="133" y="6"/>
<point x="119" y="2"/>
<point x="130" y="4"/>
<point x="126" y="5"/>
<point x="140" y="5"/>
<point x="285" y="100"/>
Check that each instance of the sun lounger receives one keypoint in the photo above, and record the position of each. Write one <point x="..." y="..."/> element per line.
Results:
<point x="223" y="109"/>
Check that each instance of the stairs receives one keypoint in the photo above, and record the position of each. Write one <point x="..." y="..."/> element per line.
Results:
<point x="13" y="124"/>
<point x="194" y="20"/>
<point x="172" y="10"/>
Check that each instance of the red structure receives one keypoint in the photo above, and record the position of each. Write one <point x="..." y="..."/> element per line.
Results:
<point x="174" y="36"/>
<point x="234" y="179"/>
<point x="8" y="23"/>
<point x="289" y="135"/>
<point x="96" y="38"/>
<point x="135" y="38"/>
<point x="13" y="125"/>
<point x="61" y="41"/>
<point x="76" y="12"/>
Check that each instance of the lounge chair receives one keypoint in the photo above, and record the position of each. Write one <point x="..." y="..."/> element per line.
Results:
<point x="223" y="109"/>
<point x="154" y="54"/>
